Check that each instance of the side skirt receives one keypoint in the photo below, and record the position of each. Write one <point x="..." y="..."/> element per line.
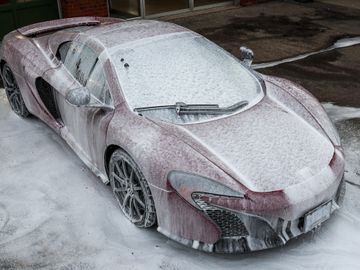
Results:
<point x="82" y="155"/>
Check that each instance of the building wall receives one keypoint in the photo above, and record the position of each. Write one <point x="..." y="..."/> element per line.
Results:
<point x="76" y="8"/>
<point x="251" y="2"/>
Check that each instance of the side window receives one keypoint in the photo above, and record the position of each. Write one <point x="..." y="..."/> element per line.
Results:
<point x="80" y="61"/>
<point x="63" y="50"/>
<point x="98" y="86"/>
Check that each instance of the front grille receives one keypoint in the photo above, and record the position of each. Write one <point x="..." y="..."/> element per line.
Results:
<point x="229" y="223"/>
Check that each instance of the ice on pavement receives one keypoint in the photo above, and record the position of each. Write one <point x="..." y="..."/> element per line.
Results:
<point x="55" y="214"/>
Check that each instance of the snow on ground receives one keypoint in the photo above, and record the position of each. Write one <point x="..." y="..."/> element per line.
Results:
<point x="55" y="214"/>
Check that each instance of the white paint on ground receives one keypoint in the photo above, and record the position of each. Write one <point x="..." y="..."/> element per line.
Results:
<point x="55" y="214"/>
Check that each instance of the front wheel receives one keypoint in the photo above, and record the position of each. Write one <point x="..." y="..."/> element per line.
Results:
<point x="13" y="92"/>
<point x="131" y="190"/>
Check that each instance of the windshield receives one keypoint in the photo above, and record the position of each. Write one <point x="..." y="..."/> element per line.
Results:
<point x="183" y="68"/>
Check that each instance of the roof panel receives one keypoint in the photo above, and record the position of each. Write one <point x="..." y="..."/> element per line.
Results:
<point x="128" y="31"/>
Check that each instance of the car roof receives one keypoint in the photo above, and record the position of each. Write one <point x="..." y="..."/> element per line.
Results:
<point x="115" y="34"/>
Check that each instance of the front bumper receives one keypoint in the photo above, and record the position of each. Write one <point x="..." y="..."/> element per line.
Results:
<point x="257" y="220"/>
<point x="242" y="233"/>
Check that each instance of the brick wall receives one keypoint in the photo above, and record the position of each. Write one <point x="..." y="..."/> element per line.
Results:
<point x="76" y="8"/>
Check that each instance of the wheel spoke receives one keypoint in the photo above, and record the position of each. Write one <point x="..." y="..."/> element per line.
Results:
<point x="119" y="170"/>
<point x="137" y="188"/>
<point x="126" y="199"/>
<point x="137" y="210"/>
<point x="12" y="95"/>
<point x="119" y="179"/>
<point x="8" y="78"/>
<point x="131" y="207"/>
<point x="138" y="200"/>
<point x="124" y="170"/>
<point x="10" y="90"/>
<point x="17" y="99"/>
<point x="16" y="104"/>
<point x="132" y="178"/>
<point x="122" y="189"/>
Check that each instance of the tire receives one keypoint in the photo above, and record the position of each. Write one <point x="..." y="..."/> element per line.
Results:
<point x="131" y="190"/>
<point x="13" y="92"/>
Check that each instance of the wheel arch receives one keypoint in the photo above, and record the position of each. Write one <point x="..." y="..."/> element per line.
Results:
<point x="110" y="149"/>
<point x="2" y="64"/>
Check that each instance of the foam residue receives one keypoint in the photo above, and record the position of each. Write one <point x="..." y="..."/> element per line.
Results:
<point x="339" y="113"/>
<point x="182" y="68"/>
<point x="341" y="43"/>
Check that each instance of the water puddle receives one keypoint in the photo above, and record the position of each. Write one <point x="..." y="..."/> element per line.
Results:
<point x="341" y="43"/>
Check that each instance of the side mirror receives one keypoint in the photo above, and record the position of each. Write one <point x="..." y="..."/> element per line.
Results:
<point x="78" y="97"/>
<point x="246" y="56"/>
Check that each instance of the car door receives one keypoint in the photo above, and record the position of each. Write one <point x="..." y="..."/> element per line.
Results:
<point x="85" y="126"/>
<point x="98" y="119"/>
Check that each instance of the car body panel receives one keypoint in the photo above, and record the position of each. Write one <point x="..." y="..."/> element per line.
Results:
<point x="281" y="154"/>
<point x="261" y="144"/>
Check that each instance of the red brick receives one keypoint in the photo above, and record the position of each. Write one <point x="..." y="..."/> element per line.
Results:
<point x="77" y="8"/>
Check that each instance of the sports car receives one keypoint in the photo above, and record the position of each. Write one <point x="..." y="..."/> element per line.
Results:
<point x="191" y="139"/>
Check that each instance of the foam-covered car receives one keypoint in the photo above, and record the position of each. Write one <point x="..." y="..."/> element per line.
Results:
<point x="220" y="157"/>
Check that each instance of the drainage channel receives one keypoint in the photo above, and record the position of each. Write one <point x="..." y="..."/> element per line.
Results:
<point x="341" y="43"/>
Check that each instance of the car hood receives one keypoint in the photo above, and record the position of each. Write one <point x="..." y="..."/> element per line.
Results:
<point x="267" y="147"/>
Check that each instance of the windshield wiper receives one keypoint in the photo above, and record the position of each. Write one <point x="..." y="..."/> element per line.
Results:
<point x="183" y="108"/>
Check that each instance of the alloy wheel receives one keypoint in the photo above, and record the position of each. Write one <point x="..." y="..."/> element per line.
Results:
<point x="131" y="190"/>
<point x="13" y="92"/>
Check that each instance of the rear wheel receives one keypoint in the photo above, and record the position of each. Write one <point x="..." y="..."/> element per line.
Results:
<point x="13" y="92"/>
<point x="131" y="190"/>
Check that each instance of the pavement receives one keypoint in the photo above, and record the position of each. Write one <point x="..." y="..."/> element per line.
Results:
<point x="343" y="3"/>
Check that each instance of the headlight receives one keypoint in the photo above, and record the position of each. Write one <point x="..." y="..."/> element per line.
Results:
<point x="186" y="183"/>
